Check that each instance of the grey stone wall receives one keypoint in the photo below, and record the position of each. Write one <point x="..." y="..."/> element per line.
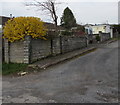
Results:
<point x="6" y="51"/>
<point x="91" y="38"/>
<point x="40" y="49"/>
<point x="17" y="52"/>
<point x="104" y="36"/>
<point x="116" y="34"/>
<point x="27" y="49"/>
<point x="31" y="50"/>
<point x="1" y="48"/>
<point x="14" y="52"/>
<point x="56" y="46"/>
<point x="70" y="43"/>
<point x="44" y="48"/>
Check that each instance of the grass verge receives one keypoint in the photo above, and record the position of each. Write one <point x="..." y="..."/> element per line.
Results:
<point x="118" y="38"/>
<point x="12" y="68"/>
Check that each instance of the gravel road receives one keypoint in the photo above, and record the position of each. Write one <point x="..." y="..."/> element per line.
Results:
<point x="92" y="78"/>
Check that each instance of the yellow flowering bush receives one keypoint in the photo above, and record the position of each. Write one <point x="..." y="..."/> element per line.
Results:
<point x="17" y="28"/>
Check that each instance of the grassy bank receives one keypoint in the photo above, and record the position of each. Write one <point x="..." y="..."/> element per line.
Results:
<point x="12" y="68"/>
<point x="118" y="38"/>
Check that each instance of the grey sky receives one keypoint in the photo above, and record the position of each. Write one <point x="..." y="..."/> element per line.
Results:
<point x="84" y="12"/>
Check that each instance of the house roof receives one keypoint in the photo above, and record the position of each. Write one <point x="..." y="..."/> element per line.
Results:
<point x="51" y="26"/>
<point x="3" y="20"/>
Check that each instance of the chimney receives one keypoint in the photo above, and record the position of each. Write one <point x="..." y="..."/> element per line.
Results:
<point x="10" y="15"/>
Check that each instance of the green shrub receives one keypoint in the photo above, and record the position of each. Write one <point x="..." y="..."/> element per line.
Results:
<point x="98" y="38"/>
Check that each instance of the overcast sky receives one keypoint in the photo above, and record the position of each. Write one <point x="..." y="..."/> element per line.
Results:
<point x="87" y="11"/>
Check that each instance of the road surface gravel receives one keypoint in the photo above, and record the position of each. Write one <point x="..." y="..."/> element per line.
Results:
<point x="92" y="78"/>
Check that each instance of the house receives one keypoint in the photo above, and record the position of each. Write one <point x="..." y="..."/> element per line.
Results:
<point x="3" y="20"/>
<point x="79" y="30"/>
<point x="52" y="27"/>
<point x="49" y="26"/>
<point x="88" y="29"/>
<point x="101" y="28"/>
<point x="96" y="29"/>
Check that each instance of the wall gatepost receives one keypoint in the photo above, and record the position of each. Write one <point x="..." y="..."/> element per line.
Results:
<point x="7" y="51"/>
<point x="111" y="32"/>
<point x="27" y="48"/>
<point x="86" y="40"/>
<point x="101" y="37"/>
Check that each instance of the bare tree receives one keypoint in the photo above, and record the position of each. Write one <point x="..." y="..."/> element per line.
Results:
<point x="47" y="5"/>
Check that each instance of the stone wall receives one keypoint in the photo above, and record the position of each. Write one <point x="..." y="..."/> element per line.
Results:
<point x="40" y="49"/>
<point x="1" y="48"/>
<point x="14" y="52"/>
<point x="56" y="45"/>
<point x="91" y="38"/>
<point x="31" y="50"/>
<point x="104" y="36"/>
<point x="115" y="35"/>
<point x="27" y="49"/>
<point x="72" y="43"/>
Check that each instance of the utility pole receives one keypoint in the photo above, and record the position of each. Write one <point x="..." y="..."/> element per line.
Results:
<point x="119" y="12"/>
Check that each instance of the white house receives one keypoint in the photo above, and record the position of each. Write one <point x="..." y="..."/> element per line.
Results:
<point x="100" y="28"/>
<point x="96" y="29"/>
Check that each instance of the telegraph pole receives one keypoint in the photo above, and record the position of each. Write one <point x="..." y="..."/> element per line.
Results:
<point x="119" y="12"/>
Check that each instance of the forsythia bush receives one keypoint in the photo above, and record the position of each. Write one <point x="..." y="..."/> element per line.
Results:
<point x="17" y="28"/>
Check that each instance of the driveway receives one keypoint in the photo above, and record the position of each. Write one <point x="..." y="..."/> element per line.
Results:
<point x="92" y="78"/>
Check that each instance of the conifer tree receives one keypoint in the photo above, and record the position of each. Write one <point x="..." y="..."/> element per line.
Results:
<point x="68" y="20"/>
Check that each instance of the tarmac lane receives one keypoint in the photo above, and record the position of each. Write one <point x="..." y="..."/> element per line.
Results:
<point x="92" y="78"/>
